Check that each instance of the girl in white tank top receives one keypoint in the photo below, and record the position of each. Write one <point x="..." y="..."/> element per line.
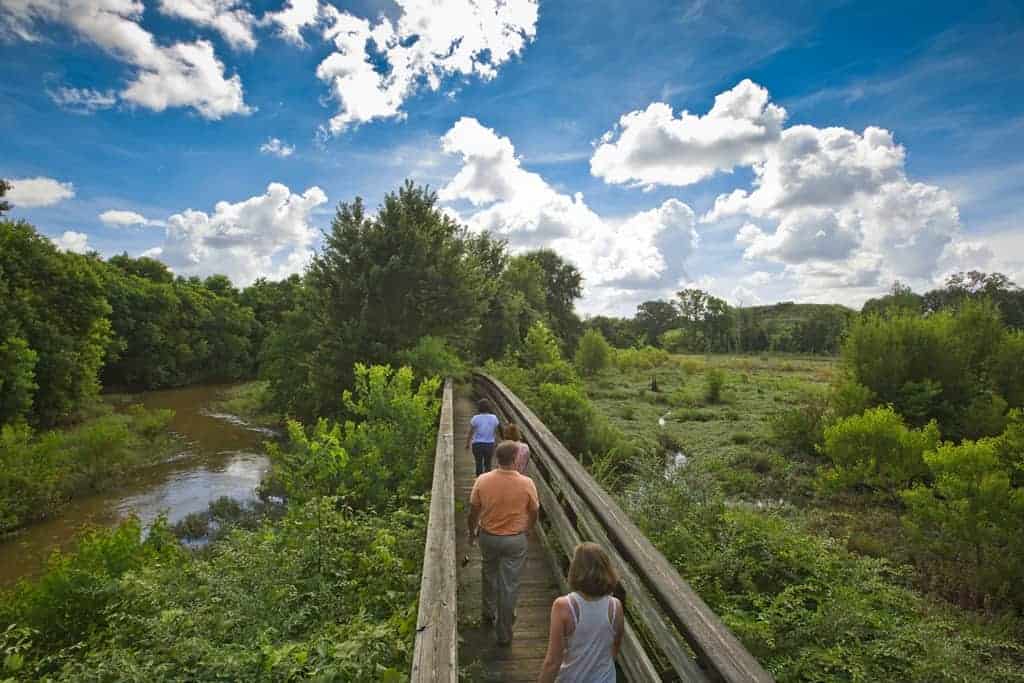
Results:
<point x="588" y="652"/>
<point x="586" y="625"/>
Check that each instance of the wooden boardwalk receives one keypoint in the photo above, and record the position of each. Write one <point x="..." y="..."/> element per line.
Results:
<point x="479" y="655"/>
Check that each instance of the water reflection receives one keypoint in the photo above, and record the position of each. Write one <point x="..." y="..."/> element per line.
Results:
<point x="221" y="456"/>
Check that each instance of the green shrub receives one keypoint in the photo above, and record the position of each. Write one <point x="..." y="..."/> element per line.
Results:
<point x="323" y="594"/>
<point x="539" y="347"/>
<point x="594" y="354"/>
<point x="972" y="515"/>
<point x="644" y="358"/>
<point x="984" y="416"/>
<point x="379" y="460"/>
<point x="70" y="600"/>
<point x="434" y="357"/>
<point x="878" y="450"/>
<point x="569" y="414"/>
<point x="800" y="428"/>
<point x="715" y="381"/>
<point x="740" y="438"/>
<point x="848" y="398"/>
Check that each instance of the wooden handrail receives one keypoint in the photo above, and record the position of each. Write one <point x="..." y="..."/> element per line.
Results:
<point x="435" y="655"/>
<point x="687" y="635"/>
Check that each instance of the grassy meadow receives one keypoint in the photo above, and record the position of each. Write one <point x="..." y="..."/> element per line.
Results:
<point x="729" y="444"/>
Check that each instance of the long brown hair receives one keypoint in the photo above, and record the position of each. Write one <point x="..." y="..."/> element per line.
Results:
<point x="591" y="571"/>
<point x="511" y="432"/>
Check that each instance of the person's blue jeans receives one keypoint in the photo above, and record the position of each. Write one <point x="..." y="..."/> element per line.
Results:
<point x="482" y="453"/>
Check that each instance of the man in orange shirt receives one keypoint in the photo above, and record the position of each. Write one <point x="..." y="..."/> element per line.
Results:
<point x="503" y="507"/>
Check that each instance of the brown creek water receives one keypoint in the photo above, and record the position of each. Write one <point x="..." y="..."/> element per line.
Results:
<point x="220" y="455"/>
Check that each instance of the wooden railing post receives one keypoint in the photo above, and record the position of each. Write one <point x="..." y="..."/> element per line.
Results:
<point x="435" y="656"/>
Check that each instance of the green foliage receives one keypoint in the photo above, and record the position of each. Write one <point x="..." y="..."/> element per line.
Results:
<point x="714" y="383"/>
<point x="807" y="609"/>
<point x="1010" y="446"/>
<point x="54" y="304"/>
<point x="324" y="594"/>
<point x="434" y="357"/>
<point x="1008" y="370"/>
<point x="642" y="358"/>
<point x="379" y="460"/>
<point x="540" y="347"/>
<point x="877" y="449"/>
<point x="17" y="379"/>
<point x="40" y="472"/>
<point x="944" y="366"/>
<point x="594" y="354"/>
<point x="567" y="412"/>
<point x="70" y="601"/>
<point x="174" y="332"/>
<point x="971" y="516"/>
<point x="562" y="285"/>
<point x="655" y="319"/>
<point x="800" y="429"/>
<point x="378" y="286"/>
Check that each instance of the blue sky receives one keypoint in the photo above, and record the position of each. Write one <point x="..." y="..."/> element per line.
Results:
<point x="850" y="144"/>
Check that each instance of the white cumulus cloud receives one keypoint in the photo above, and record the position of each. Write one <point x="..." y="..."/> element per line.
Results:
<point x="177" y="75"/>
<point x="77" y="242"/>
<point x="119" y="218"/>
<point x="230" y="18"/>
<point x="291" y="19"/>
<point x="429" y="42"/>
<point x="277" y="148"/>
<point x="623" y="261"/>
<point x="267" y="235"/>
<point x="652" y="146"/>
<point x="843" y="198"/>
<point x="40" y="191"/>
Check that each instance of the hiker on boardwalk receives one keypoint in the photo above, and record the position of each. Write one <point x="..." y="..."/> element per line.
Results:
<point x="503" y="507"/>
<point x="511" y="433"/>
<point x="483" y="433"/>
<point x="587" y="624"/>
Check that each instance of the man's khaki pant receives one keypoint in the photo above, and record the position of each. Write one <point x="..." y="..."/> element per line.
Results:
<point x="503" y="558"/>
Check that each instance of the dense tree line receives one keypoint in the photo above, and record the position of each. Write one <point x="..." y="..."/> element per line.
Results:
<point x="71" y="324"/>
<point x="695" y="321"/>
<point x="381" y="284"/>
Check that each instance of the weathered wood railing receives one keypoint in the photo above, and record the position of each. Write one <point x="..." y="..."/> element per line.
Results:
<point x="670" y="633"/>
<point x="435" y="657"/>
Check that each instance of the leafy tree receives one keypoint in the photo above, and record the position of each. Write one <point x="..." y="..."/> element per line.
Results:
<point x="17" y="379"/>
<point x="540" y="347"/>
<point x="900" y="299"/>
<point x="270" y="302"/>
<point x="5" y="205"/>
<point x="433" y="357"/>
<point x="144" y="267"/>
<point x="655" y="318"/>
<point x="975" y="285"/>
<point x="621" y="333"/>
<point x="877" y="449"/>
<point x="517" y="302"/>
<point x="379" y="284"/>
<point x="931" y="367"/>
<point x="970" y="514"/>
<point x="594" y="354"/>
<point x="563" y="285"/>
<point x="708" y="321"/>
<point x="54" y="302"/>
<point x="822" y="330"/>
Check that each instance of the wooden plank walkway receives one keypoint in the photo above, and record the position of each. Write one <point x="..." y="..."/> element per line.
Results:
<point x="479" y="655"/>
